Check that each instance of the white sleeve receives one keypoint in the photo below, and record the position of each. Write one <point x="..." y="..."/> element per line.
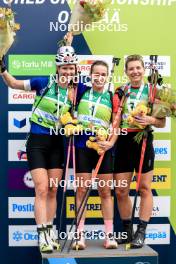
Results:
<point x="27" y="85"/>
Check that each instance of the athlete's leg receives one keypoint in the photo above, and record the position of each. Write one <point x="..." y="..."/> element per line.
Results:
<point x="122" y="193"/>
<point x="54" y="177"/>
<point x="40" y="179"/>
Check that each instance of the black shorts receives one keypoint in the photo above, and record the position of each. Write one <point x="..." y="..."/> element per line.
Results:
<point x="45" y="151"/>
<point x="86" y="161"/>
<point x="128" y="153"/>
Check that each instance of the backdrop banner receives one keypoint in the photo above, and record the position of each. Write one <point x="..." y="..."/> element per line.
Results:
<point x="142" y="27"/>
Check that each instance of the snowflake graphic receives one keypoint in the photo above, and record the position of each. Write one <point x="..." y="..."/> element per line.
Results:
<point x="17" y="236"/>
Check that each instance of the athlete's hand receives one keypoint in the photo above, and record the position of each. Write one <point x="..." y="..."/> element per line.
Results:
<point x="145" y="120"/>
<point x="2" y="65"/>
<point x="69" y="38"/>
<point x="105" y="145"/>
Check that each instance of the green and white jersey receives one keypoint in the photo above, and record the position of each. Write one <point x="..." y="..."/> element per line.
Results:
<point x="95" y="109"/>
<point x="52" y="105"/>
<point x="136" y="96"/>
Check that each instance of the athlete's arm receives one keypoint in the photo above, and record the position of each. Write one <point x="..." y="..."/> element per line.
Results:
<point x="12" y="82"/>
<point x="151" y="120"/>
<point x="159" y="122"/>
<point x="9" y="79"/>
<point x="116" y="120"/>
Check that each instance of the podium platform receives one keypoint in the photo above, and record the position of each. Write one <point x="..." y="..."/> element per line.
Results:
<point x="96" y="254"/>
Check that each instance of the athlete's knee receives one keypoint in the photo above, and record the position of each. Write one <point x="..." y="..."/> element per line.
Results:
<point x="81" y="192"/>
<point x="121" y="193"/>
<point x="41" y="191"/>
<point x="145" y="190"/>
<point x="105" y="193"/>
<point x="52" y="192"/>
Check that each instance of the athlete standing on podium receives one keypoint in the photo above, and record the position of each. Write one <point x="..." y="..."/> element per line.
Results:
<point x="94" y="107"/>
<point x="45" y="151"/>
<point x="128" y="154"/>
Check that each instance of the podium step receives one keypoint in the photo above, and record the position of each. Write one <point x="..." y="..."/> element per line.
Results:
<point x="96" y="253"/>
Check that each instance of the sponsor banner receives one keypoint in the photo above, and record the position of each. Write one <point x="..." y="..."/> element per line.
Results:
<point x="163" y="65"/>
<point x="162" y="150"/>
<point x="157" y="234"/>
<point x="166" y="129"/>
<point x="23" y="236"/>
<point x="31" y="65"/>
<point x="44" y="65"/>
<point x="161" y="206"/>
<point x="93" y="207"/>
<point x="19" y="121"/>
<point x="17" y="150"/>
<point x="161" y="179"/>
<point x="85" y="62"/>
<point x="20" y="97"/>
<point x="21" y="207"/>
<point x="20" y="179"/>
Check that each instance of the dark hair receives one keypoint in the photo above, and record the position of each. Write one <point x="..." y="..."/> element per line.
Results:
<point x="134" y="57"/>
<point x="97" y="63"/>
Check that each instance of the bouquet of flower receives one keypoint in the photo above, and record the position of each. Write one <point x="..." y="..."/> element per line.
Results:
<point x="85" y="13"/>
<point x="8" y="27"/>
<point x="164" y="104"/>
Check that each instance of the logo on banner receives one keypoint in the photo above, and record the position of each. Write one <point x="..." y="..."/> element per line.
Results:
<point x="21" y="207"/>
<point x="17" y="150"/>
<point x="22" y="236"/>
<point x="28" y="181"/>
<point x="31" y="65"/>
<point x="161" y="179"/>
<point x="93" y="207"/>
<point x="161" y="206"/>
<point x="85" y="62"/>
<point x="157" y="234"/>
<point x="17" y="236"/>
<point x="19" y="122"/>
<point x="85" y="65"/>
<point x="20" y="97"/>
<point x="163" y="65"/>
<point x="20" y="179"/>
<point x="162" y="150"/>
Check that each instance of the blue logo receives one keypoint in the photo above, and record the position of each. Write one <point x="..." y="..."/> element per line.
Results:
<point x="156" y="235"/>
<point x="161" y="151"/>
<point x="17" y="236"/>
<point x="19" y="123"/>
<point x="23" y="208"/>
